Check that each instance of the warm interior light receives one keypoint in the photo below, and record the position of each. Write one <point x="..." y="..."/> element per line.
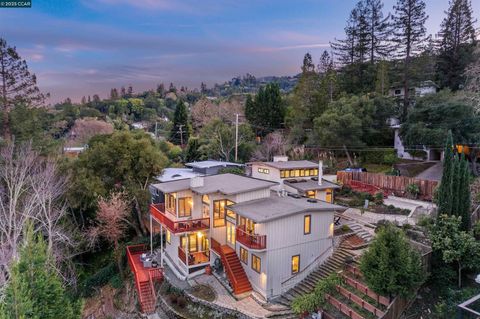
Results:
<point x="199" y="234"/>
<point x="331" y="229"/>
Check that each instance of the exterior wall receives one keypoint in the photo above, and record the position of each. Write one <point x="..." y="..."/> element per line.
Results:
<point x="273" y="175"/>
<point x="172" y="251"/>
<point x="424" y="90"/>
<point x="244" y="197"/>
<point x="285" y="238"/>
<point x="432" y="155"/>
<point x="321" y="195"/>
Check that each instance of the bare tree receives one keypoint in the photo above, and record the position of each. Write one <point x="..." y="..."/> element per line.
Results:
<point x="111" y="222"/>
<point x="85" y="129"/>
<point x="273" y="144"/>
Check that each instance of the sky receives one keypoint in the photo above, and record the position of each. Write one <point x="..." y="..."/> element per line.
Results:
<point x="84" y="47"/>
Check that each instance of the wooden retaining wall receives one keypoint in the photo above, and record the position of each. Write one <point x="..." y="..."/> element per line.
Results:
<point x="394" y="184"/>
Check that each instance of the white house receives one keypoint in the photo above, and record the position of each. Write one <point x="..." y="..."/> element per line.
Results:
<point x="298" y="177"/>
<point x="266" y="240"/>
<point x="422" y="89"/>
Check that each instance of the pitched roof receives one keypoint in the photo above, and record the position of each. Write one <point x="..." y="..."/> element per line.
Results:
<point x="310" y="184"/>
<point x="274" y="207"/>
<point x="288" y="164"/>
<point x="211" y="163"/>
<point x="227" y="184"/>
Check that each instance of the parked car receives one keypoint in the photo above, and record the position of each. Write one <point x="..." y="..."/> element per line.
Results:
<point x="355" y="169"/>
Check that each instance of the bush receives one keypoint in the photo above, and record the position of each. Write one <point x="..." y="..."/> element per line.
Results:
<point x="99" y="279"/>
<point x="116" y="281"/>
<point x="316" y="299"/>
<point x="378" y="198"/>
<point x="173" y="298"/>
<point x="413" y="190"/>
<point x="181" y="301"/>
<point x="390" y="159"/>
<point x="383" y="156"/>
<point x="345" y="228"/>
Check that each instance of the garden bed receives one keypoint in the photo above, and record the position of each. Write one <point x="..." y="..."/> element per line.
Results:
<point x="204" y="292"/>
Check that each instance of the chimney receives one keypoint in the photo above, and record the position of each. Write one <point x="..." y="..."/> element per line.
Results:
<point x="280" y="158"/>
<point x="196" y="181"/>
<point x="320" y="172"/>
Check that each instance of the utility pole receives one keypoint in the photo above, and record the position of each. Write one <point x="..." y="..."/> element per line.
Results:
<point x="181" y="133"/>
<point x="236" y="137"/>
<point x="156" y="128"/>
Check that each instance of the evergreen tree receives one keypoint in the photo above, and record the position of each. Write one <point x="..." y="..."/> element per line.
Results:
<point x="328" y="76"/>
<point x="464" y="203"/>
<point x="457" y="175"/>
<point x="34" y="289"/>
<point x="113" y="94"/>
<point x="409" y="36"/>
<point x="456" y="45"/>
<point x="84" y="100"/>
<point x="345" y="49"/>
<point x="445" y="189"/>
<point x="161" y="89"/>
<point x="180" y="130"/>
<point x="123" y="92"/>
<point x="17" y="84"/>
<point x="378" y="28"/>
<point x="382" y="82"/>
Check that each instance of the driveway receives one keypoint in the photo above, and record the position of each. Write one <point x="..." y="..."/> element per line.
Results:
<point x="433" y="173"/>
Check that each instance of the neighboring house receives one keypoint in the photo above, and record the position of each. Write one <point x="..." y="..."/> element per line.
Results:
<point x="298" y="177"/>
<point x="211" y="167"/>
<point x="263" y="240"/>
<point x="422" y="89"/>
<point x="74" y="151"/>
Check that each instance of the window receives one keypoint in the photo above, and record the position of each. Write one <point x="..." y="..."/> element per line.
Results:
<point x="398" y="92"/>
<point x="282" y="174"/>
<point x="185" y="207"/>
<point x="315" y="172"/>
<point x="205" y="206"/>
<point x="263" y="170"/>
<point x="287" y="174"/>
<point x="256" y="263"/>
<point x="219" y="212"/>
<point x="302" y="173"/>
<point x="297" y="173"/>
<point x="168" y="237"/>
<point x="312" y="172"/>
<point x="170" y="202"/>
<point x="307" y="224"/>
<point x="295" y="264"/>
<point x="244" y="255"/>
<point x="311" y="194"/>
<point x="191" y="240"/>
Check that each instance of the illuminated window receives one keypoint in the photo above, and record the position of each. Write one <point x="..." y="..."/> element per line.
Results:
<point x="244" y="255"/>
<point x="168" y="237"/>
<point x="312" y="172"/>
<point x="256" y="263"/>
<point x="263" y="170"/>
<point x="220" y="210"/>
<point x="192" y="242"/>
<point x="297" y="173"/>
<point x="170" y="202"/>
<point x="292" y="173"/>
<point x="302" y="173"/>
<point x="307" y="224"/>
<point x="311" y="194"/>
<point x="185" y="207"/>
<point x="282" y="174"/>
<point x="295" y="264"/>
<point x="205" y="206"/>
<point x="287" y="174"/>
<point x="315" y="172"/>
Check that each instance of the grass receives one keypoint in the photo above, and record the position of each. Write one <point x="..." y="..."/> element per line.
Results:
<point x="377" y="168"/>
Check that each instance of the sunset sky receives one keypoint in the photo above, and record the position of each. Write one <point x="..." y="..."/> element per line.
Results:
<point x="86" y="47"/>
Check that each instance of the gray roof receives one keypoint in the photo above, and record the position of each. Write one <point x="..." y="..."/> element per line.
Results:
<point x="227" y="184"/>
<point x="274" y="207"/>
<point x="289" y="164"/>
<point x="211" y="163"/>
<point x="310" y="184"/>
<point x="173" y="173"/>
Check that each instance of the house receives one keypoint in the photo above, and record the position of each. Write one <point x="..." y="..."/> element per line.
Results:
<point x="257" y="238"/>
<point x="422" y="153"/>
<point x="298" y="177"/>
<point x="422" y="89"/>
<point x="211" y="167"/>
<point x="74" y="151"/>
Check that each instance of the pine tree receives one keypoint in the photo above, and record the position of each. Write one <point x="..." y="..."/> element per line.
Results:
<point x="328" y="75"/>
<point x="409" y="36"/>
<point x="454" y="196"/>
<point x="445" y="189"/>
<point x="180" y="129"/>
<point x="113" y="94"/>
<point x="34" y="289"/>
<point x="267" y="111"/>
<point x="382" y="82"/>
<point x="465" y="201"/>
<point x="84" y="100"/>
<point x="17" y="84"/>
<point x="378" y="28"/>
<point x="345" y="49"/>
<point x="161" y="89"/>
<point x="456" y="45"/>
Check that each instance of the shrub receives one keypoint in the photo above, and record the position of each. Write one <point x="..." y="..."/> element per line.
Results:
<point x="316" y="299"/>
<point x="99" y="279"/>
<point x="390" y="159"/>
<point x="181" y="301"/>
<point x="413" y="190"/>
<point x="378" y="198"/>
<point x="345" y="228"/>
<point x="383" y="156"/>
<point x="116" y="281"/>
<point x="173" y="298"/>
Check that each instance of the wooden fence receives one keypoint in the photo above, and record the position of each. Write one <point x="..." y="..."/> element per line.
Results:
<point x="396" y="185"/>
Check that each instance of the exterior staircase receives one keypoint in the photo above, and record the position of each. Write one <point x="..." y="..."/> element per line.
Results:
<point x="235" y="273"/>
<point x="333" y="264"/>
<point x="360" y="231"/>
<point x="146" y="297"/>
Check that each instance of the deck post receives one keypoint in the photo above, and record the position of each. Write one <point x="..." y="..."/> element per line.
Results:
<point x="151" y="236"/>
<point x="161" y="245"/>
<point x="186" y="251"/>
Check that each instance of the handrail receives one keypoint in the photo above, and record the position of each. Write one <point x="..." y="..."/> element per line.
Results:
<point x="183" y="256"/>
<point x="252" y="241"/>
<point x="367" y="291"/>
<point x="304" y="269"/>
<point x="360" y="302"/>
<point x="215" y="245"/>
<point x="230" y="274"/>
<point x="177" y="226"/>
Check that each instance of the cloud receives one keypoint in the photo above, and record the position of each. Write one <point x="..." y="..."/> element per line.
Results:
<point x="290" y="47"/>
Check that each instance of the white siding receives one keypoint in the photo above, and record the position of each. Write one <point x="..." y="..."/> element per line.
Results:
<point x="243" y="197"/>
<point x="273" y="175"/>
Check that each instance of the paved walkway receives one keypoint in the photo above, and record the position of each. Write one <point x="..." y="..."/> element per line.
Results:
<point x="373" y="218"/>
<point x="246" y="305"/>
<point x="433" y="173"/>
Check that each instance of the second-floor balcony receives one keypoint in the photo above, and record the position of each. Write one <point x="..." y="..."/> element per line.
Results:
<point x="194" y="258"/>
<point x="251" y="240"/>
<point x="178" y="226"/>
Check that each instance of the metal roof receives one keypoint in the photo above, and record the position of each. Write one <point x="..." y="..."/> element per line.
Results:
<point x="288" y="164"/>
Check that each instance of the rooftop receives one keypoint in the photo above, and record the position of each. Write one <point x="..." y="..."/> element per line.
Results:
<point x="227" y="184"/>
<point x="275" y="206"/>
<point x="309" y="184"/>
<point x="288" y="164"/>
<point x="211" y="163"/>
<point x="172" y="174"/>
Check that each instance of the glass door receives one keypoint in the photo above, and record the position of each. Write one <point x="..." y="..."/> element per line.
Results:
<point x="231" y="234"/>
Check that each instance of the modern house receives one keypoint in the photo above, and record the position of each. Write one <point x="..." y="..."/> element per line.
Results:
<point x="304" y="178"/>
<point x="422" y="89"/>
<point x="262" y="239"/>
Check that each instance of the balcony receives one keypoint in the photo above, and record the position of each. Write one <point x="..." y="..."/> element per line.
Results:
<point x="158" y="211"/>
<point x="194" y="258"/>
<point x="252" y="241"/>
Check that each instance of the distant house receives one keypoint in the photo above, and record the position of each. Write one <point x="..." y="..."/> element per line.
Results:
<point x="139" y="126"/>
<point x="298" y="177"/>
<point x="74" y="151"/>
<point x="422" y="89"/>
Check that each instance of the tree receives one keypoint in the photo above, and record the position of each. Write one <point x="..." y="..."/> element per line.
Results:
<point x="120" y="161"/>
<point x="456" y="45"/>
<point x="267" y="111"/>
<point x="180" y="129"/>
<point x="192" y="152"/>
<point x="328" y="76"/>
<point x="345" y="49"/>
<point x="84" y="129"/>
<point x="382" y="82"/>
<point x="390" y="265"/>
<point x="17" y="84"/>
<point x="34" y="289"/>
<point x="455" y="245"/>
<point x="273" y="144"/>
<point x="378" y="28"/>
<point x="112" y="221"/>
<point x="445" y="188"/>
<point x="409" y="36"/>
<point x="113" y="94"/>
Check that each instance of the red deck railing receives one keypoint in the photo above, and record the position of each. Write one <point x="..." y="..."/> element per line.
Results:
<point x="251" y="240"/>
<point x="144" y="278"/>
<point x="195" y="258"/>
<point x="215" y="246"/>
<point x="158" y="211"/>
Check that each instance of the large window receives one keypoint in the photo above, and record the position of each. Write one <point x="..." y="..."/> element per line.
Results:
<point x="192" y="242"/>
<point x="170" y="202"/>
<point x="256" y="263"/>
<point x="205" y="206"/>
<point x="307" y="224"/>
<point x="185" y="207"/>
<point x="295" y="264"/>
<point x="168" y="237"/>
<point x="219" y="211"/>
<point x="244" y="255"/>
<point x="263" y="170"/>
<point x="311" y="194"/>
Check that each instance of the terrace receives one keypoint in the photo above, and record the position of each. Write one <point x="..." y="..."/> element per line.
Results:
<point x="251" y="240"/>
<point x="177" y="226"/>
